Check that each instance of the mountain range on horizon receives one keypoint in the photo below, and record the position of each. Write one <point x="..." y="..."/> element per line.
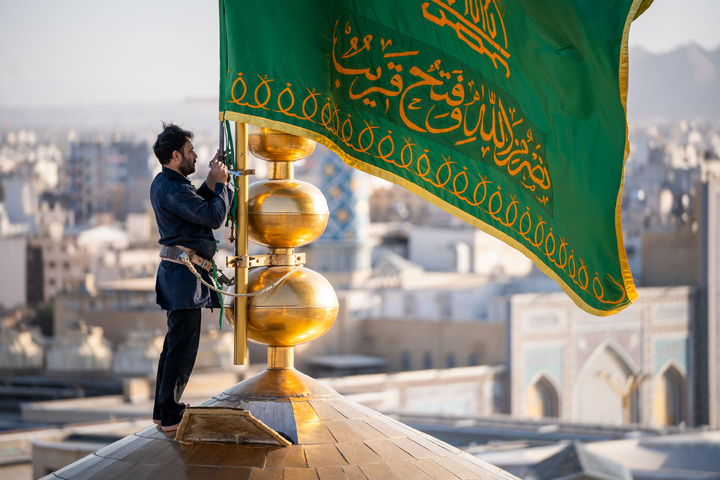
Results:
<point x="681" y="84"/>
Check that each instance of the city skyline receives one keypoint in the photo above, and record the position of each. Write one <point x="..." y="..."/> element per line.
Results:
<point x="82" y="52"/>
<point x="450" y="322"/>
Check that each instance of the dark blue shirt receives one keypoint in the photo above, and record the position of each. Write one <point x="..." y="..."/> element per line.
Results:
<point x="186" y="216"/>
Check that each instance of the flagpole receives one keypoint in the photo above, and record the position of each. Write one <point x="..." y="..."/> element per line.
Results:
<point x="241" y="244"/>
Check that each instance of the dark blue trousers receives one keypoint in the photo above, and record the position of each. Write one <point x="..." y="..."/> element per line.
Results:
<point x="176" y="364"/>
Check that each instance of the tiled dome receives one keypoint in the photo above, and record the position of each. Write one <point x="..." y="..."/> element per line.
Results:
<point x="333" y="438"/>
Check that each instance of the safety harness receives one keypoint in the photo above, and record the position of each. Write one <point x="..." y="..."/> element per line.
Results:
<point x="173" y="253"/>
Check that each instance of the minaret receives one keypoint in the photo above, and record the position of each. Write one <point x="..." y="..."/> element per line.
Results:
<point x="282" y="424"/>
<point x="344" y="252"/>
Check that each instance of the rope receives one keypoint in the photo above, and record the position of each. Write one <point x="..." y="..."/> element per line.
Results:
<point x="186" y="260"/>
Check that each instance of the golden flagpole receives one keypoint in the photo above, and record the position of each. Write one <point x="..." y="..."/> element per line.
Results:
<point x="241" y="244"/>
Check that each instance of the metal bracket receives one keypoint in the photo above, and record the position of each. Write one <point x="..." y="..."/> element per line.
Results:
<point x="273" y="260"/>
<point x="242" y="172"/>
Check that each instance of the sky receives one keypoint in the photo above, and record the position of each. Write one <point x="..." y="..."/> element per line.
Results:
<point x="69" y="52"/>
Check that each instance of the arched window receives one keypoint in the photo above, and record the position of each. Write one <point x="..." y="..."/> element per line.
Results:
<point x="670" y="397"/>
<point x="428" y="361"/>
<point x="450" y="360"/>
<point x="406" y="361"/>
<point x="542" y="400"/>
<point x="601" y="388"/>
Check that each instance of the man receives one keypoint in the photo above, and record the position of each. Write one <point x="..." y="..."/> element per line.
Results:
<point x="185" y="218"/>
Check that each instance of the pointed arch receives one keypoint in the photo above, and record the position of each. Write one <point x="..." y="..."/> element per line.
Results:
<point x="671" y="395"/>
<point x="595" y="399"/>
<point x="542" y="399"/>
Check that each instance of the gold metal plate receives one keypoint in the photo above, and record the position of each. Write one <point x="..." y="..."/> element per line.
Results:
<point x="225" y="425"/>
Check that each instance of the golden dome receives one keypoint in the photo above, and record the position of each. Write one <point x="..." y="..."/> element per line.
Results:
<point x="332" y="438"/>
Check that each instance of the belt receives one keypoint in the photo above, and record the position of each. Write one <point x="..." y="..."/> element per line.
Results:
<point x="173" y="254"/>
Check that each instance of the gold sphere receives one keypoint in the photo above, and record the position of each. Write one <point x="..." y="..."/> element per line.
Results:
<point x="286" y="213"/>
<point x="276" y="146"/>
<point x="302" y="308"/>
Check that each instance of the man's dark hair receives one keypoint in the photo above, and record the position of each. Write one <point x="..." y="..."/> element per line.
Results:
<point x="170" y="139"/>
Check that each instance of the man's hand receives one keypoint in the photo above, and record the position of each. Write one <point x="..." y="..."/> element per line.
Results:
<point x="218" y="172"/>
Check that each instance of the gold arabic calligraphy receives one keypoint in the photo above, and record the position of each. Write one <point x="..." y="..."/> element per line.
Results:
<point x="444" y="178"/>
<point x="451" y="105"/>
<point x="480" y="31"/>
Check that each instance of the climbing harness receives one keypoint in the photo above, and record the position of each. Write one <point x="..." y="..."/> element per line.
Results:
<point x="171" y="254"/>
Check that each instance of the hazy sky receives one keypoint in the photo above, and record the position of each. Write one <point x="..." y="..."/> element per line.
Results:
<point x="60" y="52"/>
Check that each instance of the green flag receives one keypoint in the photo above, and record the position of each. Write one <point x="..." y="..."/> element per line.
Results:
<point x="508" y="114"/>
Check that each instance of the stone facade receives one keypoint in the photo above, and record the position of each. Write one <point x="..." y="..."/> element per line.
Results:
<point x="82" y="350"/>
<point x="567" y="364"/>
<point x="462" y="392"/>
<point x="138" y="355"/>
<point x="708" y="368"/>
<point x="19" y="352"/>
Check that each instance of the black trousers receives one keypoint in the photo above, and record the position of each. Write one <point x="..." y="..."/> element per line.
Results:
<point x="176" y="364"/>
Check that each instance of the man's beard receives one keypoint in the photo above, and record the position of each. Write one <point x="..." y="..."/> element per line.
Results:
<point x="187" y="166"/>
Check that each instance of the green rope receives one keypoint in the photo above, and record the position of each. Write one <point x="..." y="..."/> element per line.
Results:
<point x="230" y="162"/>
<point x="230" y="155"/>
